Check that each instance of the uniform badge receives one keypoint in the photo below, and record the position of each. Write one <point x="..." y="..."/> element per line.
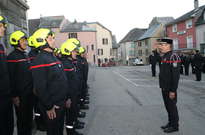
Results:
<point x="59" y="65"/>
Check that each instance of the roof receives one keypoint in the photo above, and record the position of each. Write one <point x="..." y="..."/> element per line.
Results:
<point x="51" y="21"/>
<point x="133" y="35"/>
<point x="100" y="25"/>
<point x="192" y="14"/>
<point x="200" y="20"/>
<point x="33" y="25"/>
<point x="150" y="32"/>
<point x="77" y="27"/>
<point x="114" y="42"/>
<point x="161" y="20"/>
<point x="23" y="3"/>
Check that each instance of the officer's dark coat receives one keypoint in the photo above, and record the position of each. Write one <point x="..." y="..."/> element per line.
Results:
<point x="169" y="72"/>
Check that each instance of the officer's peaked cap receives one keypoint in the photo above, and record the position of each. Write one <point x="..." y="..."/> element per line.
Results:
<point x="165" y="40"/>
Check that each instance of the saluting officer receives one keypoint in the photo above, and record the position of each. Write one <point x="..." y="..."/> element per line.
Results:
<point x="6" y="109"/>
<point x="168" y="80"/>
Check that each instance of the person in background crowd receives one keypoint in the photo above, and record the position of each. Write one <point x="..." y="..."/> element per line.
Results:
<point x="181" y="64"/>
<point x="187" y="61"/>
<point x="153" y="62"/>
<point x="6" y="108"/>
<point x="198" y="60"/>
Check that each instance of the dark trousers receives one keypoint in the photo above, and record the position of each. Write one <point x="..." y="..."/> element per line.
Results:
<point x="39" y="121"/>
<point x="198" y="73"/>
<point x="6" y="116"/>
<point x="71" y="115"/>
<point x="171" y="108"/>
<point x="181" y="69"/>
<point x="24" y="114"/>
<point x="153" y="69"/>
<point x="55" y="126"/>
<point x="186" y="69"/>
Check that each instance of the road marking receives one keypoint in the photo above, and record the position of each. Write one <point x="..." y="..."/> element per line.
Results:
<point x="137" y="85"/>
<point x="126" y="78"/>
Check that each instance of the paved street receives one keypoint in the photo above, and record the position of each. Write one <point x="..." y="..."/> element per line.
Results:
<point x="127" y="101"/>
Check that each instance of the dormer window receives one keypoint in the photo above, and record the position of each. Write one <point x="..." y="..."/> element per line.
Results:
<point x="189" y="24"/>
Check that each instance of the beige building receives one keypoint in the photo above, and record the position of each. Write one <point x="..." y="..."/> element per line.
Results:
<point x="104" y="41"/>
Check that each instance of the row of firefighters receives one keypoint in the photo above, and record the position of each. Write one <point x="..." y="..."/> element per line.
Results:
<point x="196" y="61"/>
<point x="46" y="85"/>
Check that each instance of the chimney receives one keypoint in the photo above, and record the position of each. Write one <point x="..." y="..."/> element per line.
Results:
<point x="196" y="4"/>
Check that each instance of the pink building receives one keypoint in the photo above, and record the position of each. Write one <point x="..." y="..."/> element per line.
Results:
<point x="85" y="34"/>
<point x="64" y="29"/>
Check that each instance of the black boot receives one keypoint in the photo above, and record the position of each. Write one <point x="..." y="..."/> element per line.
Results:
<point x="81" y="114"/>
<point x="165" y="126"/>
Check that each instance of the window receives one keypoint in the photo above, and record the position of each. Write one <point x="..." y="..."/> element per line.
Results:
<point x="139" y="43"/>
<point x="189" y="40"/>
<point x="140" y="52"/>
<point x="174" y="28"/>
<point x="101" y="51"/>
<point x="175" y="44"/>
<point x="189" y="24"/>
<point x="105" y="41"/>
<point x="72" y="35"/>
<point x="92" y="47"/>
<point x="94" y="58"/>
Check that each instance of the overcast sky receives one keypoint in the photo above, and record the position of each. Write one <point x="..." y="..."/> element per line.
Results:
<point x="120" y="16"/>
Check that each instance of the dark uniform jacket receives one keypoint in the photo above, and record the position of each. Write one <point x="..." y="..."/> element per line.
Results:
<point x="49" y="80"/>
<point x="71" y="75"/>
<point x="169" y="72"/>
<point x="33" y="53"/>
<point x="4" y="74"/>
<point x="20" y="75"/>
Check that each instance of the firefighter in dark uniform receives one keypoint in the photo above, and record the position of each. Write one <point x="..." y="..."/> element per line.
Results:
<point x="6" y="110"/>
<point x="84" y="62"/>
<point x="198" y="60"/>
<point x="168" y="80"/>
<point x="68" y="51"/>
<point x="79" y="73"/>
<point x="50" y="82"/>
<point x="153" y="62"/>
<point x="21" y="82"/>
<point x="39" y="122"/>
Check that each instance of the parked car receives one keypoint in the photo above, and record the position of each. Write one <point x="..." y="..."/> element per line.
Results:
<point x="138" y="62"/>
